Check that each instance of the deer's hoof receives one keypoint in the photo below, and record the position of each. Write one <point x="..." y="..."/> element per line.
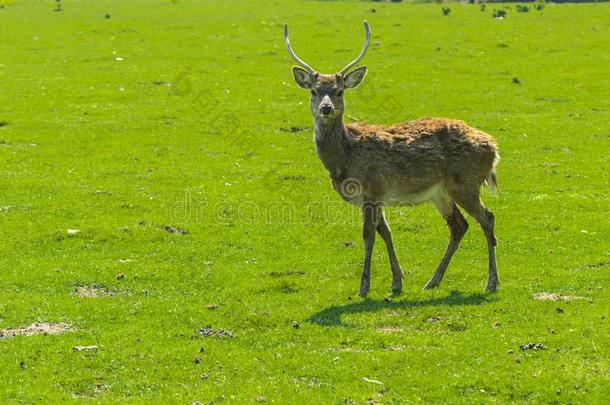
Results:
<point x="396" y="288"/>
<point x="431" y="284"/>
<point x="491" y="287"/>
<point x="363" y="291"/>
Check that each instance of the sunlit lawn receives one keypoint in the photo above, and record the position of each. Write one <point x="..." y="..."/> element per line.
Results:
<point x="165" y="117"/>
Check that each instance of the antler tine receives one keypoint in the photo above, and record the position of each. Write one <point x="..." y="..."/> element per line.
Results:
<point x="294" y="56"/>
<point x="367" y="41"/>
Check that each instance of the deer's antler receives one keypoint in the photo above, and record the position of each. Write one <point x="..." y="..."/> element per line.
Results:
<point x="294" y="55"/>
<point x="367" y="41"/>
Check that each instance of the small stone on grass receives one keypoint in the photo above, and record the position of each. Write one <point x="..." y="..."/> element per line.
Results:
<point x="84" y="348"/>
<point x="175" y="230"/>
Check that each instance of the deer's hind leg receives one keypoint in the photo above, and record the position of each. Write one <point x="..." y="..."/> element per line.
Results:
<point x="457" y="228"/>
<point x="471" y="203"/>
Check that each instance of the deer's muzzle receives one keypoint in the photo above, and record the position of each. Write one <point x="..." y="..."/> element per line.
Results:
<point x="326" y="107"/>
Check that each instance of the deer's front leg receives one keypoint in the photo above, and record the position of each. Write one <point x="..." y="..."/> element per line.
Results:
<point x="384" y="231"/>
<point x="370" y="214"/>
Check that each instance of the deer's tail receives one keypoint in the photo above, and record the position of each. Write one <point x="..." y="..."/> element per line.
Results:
<point x="492" y="179"/>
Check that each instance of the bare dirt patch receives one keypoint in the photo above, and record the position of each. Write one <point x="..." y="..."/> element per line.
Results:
<point x="597" y="265"/>
<point x="348" y="350"/>
<point x="547" y="296"/>
<point x="532" y="346"/>
<point x="93" y="392"/>
<point x="175" y="230"/>
<point x="349" y="243"/>
<point x="218" y="333"/>
<point x="294" y="129"/>
<point x="93" y="291"/>
<point x="388" y="329"/>
<point x="38" y="328"/>
<point x="287" y="273"/>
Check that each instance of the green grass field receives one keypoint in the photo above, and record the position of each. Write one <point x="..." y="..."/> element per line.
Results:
<point x="185" y="114"/>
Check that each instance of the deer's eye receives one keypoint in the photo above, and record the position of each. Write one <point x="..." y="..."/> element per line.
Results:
<point x="340" y="93"/>
<point x="313" y="92"/>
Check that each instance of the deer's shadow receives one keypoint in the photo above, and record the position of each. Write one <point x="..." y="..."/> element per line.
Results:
<point x="331" y="316"/>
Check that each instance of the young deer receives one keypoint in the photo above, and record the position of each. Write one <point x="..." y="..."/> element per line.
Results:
<point x="434" y="159"/>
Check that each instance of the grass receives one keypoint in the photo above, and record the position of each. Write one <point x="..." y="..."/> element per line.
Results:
<point x="185" y="114"/>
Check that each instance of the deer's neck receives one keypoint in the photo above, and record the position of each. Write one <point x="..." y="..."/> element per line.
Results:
<point x="333" y="144"/>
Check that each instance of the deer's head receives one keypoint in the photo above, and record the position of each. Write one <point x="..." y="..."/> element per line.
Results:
<point x="327" y="89"/>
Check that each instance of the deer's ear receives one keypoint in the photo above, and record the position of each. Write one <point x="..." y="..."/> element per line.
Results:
<point x="303" y="78"/>
<point x="353" y="78"/>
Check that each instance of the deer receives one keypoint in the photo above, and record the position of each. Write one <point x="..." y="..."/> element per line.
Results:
<point x="438" y="160"/>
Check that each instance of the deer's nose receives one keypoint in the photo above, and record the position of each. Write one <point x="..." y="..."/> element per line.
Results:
<point x="326" y="109"/>
<point x="326" y="106"/>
